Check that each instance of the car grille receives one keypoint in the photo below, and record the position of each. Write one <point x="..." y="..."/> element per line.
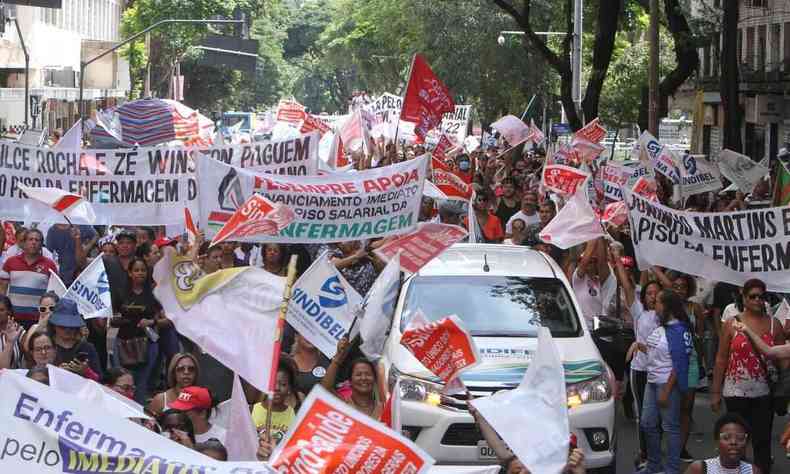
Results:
<point x="462" y="434"/>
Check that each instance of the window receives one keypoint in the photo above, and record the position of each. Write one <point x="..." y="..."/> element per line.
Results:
<point x="495" y="305"/>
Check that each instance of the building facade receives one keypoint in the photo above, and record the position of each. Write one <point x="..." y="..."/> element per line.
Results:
<point x="57" y="40"/>
<point x="764" y="73"/>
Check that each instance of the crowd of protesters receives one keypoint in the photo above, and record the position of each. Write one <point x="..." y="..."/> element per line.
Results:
<point x="678" y="334"/>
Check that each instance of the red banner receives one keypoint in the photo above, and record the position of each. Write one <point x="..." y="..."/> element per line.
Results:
<point x="616" y="213"/>
<point x="444" y="347"/>
<point x="563" y="179"/>
<point x="290" y="111"/>
<point x="312" y="123"/>
<point x="592" y="132"/>
<point x="440" y="152"/>
<point x="258" y="216"/>
<point x="646" y="188"/>
<point x="427" y="98"/>
<point x="10" y="234"/>
<point x="329" y="436"/>
<point x="421" y="246"/>
<point x="450" y="183"/>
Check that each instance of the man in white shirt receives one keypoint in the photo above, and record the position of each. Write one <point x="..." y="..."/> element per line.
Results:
<point x="593" y="282"/>
<point x="528" y="213"/>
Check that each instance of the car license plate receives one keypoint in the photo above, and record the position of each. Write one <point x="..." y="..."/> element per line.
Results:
<point x="484" y="451"/>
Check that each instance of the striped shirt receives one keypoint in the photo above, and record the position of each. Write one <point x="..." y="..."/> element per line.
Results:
<point x="26" y="284"/>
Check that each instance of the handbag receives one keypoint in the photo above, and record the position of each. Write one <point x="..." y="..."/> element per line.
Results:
<point x="133" y="351"/>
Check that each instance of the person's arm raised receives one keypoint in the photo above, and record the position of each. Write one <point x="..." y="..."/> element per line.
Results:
<point x="330" y="377"/>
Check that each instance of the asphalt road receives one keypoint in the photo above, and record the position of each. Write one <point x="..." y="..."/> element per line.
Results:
<point x="700" y="445"/>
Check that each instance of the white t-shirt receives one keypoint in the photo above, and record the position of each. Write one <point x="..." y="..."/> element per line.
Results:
<point x="528" y="220"/>
<point x="645" y="322"/>
<point x="217" y="432"/>
<point x="592" y="296"/>
<point x="659" y="360"/>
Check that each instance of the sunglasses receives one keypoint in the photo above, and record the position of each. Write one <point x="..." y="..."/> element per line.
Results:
<point x="46" y="309"/>
<point x="755" y="296"/>
<point x="185" y="368"/>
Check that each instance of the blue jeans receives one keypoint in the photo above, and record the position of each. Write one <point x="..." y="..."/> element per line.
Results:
<point x="670" y="424"/>
<point x="140" y="373"/>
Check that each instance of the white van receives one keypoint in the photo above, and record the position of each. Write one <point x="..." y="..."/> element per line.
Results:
<point x="502" y="293"/>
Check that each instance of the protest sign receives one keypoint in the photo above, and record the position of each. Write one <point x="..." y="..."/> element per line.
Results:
<point x="329" y="435"/>
<point x="455" y="123"/>
<point x="312" y="123"/>
<point x="322" y="306"/>
<point x="512" y="129"/>
<point x="440" y="150"/>
<point x="731" y="246"/>
<point x="592" y="132"/>
<point x="49" y="431"/>
<point x="449" y="183"/>
<point x="615" y="213"/>
<point x="421" y="246"/>
<point x="257" y="216"/>
<point x="290" y="111"/>
<point x="574" y="224"/>
<point x="536" y="136"/>
<point x="444" y="347"/>
<point x="697" y="176"/>
<point x="91" y="291"/>
<point x="426" y="99"/>
<point x="646" y="188"/>
<point x="331" y="208"/>
<point x="143" y="186"/>
<point x="741" y="170"/>
<point x="563" y="179"/>
<point x="386" y="110"/>
<point x="614" y="177"/>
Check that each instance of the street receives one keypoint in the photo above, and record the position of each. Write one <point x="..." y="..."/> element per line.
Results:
<point x="701" y="443"/>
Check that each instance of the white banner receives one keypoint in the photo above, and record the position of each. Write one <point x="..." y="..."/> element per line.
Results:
<point x="332" y="208"/>
<point x="455" y="124"/>
<point x="386" y="110"/>
<point x="91" y="291"/>
<point x="697" y="176"/>
<point x="728" y="246"/>
<point x="143" y="186"/>
<point x="322" y="306"/>
<point x="48" y="431"/>
<point x="741" y="170"/>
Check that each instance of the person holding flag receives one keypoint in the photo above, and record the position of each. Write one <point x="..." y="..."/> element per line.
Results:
<point x="364" y="382"/>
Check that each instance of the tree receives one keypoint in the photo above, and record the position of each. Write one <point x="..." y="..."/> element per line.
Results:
<point x="607" y="16"/>
<point x="729" y="78"/>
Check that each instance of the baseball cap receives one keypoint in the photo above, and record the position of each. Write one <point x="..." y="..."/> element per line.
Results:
<point x="164" y="241"/>
<point x="192" y="398"/>
<point x="126" y="234"/>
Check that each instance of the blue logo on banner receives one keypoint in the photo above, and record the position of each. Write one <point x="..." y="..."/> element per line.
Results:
<point x="333" y="295"/>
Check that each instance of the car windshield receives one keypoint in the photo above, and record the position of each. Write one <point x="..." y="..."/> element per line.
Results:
<point x="495" y="305"/>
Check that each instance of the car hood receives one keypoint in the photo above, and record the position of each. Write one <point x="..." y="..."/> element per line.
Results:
<point x="506" y="359"/>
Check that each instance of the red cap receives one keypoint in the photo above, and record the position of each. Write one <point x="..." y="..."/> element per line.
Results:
<point x="164" y="241"/>
<point x="192" y="398"/>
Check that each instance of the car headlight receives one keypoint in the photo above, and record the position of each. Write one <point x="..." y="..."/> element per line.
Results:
<point x="595" y="390"/>
<point x="414" y="389"/>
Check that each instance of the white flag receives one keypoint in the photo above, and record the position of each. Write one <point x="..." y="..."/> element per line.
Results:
<point x="540" y="400"/>
<point x="71" y="140"/>
<point x="56" y="285"/>
<point x="379" y="308"/>
<point x="575" y="224"/>
<point x="242" y="438"/>
<point x="96" y="394"/>
<point x="70" y="205"/>
<point x="91" y="291"/>
<point x="512" y="128"/>
<point x="782" y="312"/>
<point x="741" y="170"/>
<point x="471" y="220"/>
<point x="322" y="306"/>
<point x="231" y="314"/>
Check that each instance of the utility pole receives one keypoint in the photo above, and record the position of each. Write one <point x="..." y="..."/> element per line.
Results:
<point x="576" y="56"/>
<point x="653" y="70"/>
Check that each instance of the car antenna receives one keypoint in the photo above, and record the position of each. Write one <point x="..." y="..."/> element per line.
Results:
<point x="486" y="268"/>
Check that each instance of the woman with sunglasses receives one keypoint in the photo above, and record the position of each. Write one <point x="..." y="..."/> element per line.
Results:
<point x="742" y="374"/>
<point x="731" y="432"/>
<point x="182" y="372"/>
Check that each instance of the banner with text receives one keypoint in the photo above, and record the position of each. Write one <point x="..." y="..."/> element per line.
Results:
<point x="456" y="123"/>
<point x="730" y="246"/>
<point x="329" y="435"/>
<point x="418" y="248"/>
<point x="563" y="179"/>
<point x="143" y="186"/>
<point x="444" y="347"/>
<point x="331" y="208"/>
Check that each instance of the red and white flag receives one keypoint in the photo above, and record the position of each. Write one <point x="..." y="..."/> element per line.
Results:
<point x="563" y="179"/>
<point x="10" y="234"/>
<point x="450" y="183"/>
<point x="189" y="224"/>
<point x="72" y="206"/>
<point x="440" y="151"/>
<point x="330" y="436"/>
<point x="427" y="98"/>
<point x="421" y="246"/>
<point x="512" y="129"/>
<point x="536" y="136"/>
<point x="390" y="415"/>
<point x="615" y="213"/>
<point x="444" y="347"/>
<point x="647" y="188"/>
<point x="311" y="123"/>
<point x="290" y="111"/>
<point x="258" y="216"/>
<point x="592" y="132"/>
<point x="574" y="224"/>
<point x="586" y="150"/>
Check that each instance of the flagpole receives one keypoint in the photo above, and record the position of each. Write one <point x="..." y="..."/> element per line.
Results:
<point x="403" y="99"/>
<point x="280" y="325"/>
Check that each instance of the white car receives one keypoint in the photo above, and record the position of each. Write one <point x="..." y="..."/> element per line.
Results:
<point x="502" y="293"/>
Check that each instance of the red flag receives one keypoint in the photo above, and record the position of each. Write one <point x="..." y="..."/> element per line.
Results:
<point x="189" y="223"/>
<point x="427" y="98"/>
<point x="312" y="123"/>
<point x="563" y="179"/>
<point x="10" y="234"/>
<point x="450" y="183"/>
<point x="592" y="132"/>
<point x="258" y="216"/>
<point x="444" y="347"/>
<point x="290" y="111"/>
<point x="440" y="152"/>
